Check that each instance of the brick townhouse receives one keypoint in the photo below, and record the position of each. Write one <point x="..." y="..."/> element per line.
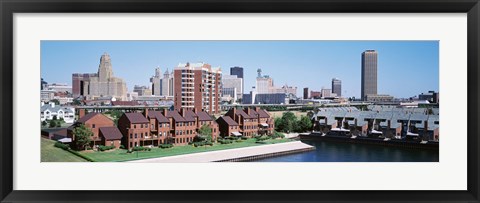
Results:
<point x="101" y="127"/>
<point x="134" y="128"/>
<point x="250" y="121"/>
<point x="159" y="127"/>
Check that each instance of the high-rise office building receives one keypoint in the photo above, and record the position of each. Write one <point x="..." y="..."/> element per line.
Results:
<point x="238" y="71"/>
<point x="337" y="86"/>
<point x="162" y="86"/>
<point x="305" y="93"/>
<point x="369" y="73"/>
<point x="197" y="86"/>
<point x="100" y="84"/>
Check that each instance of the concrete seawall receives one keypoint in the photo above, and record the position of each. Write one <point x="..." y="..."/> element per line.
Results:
<point x="235" y="155"/>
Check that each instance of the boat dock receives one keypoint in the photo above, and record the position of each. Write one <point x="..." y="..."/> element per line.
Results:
<point x="235" y="155"/>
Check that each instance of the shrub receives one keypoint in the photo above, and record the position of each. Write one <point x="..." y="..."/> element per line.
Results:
<point x="239" y="140"/>
<point x="233" y="138"/>
<point x="225" y="141"/>
<point x="122" y="147"/>
<point x="140" y="148"/>
<point x="261" y="142"/>
<point x="244" y="138"/>
<point x="105" y="148"/>
<point x="61" y="145"/>
<point x="262" y="138"/>
<point x="278" y="135"/>
<point x="164" y="146"/>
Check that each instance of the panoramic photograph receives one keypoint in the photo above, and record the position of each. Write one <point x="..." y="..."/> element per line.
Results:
<point x="239" y="101"/>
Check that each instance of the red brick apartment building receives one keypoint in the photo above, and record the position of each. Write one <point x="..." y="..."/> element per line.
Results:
<point x="134" y="128"/>
<point x="100" y="125"/>
<point x="197" y="86"/>
<point x="159" y="127"/>
<point x="250" y="122"/>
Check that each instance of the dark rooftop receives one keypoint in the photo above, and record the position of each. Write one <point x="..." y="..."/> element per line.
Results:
<point x="136" y="118"/>
<point x="111" y="133"/>
<point x="87" y="117"/>
<point x="159" y="116"/>
<point x="228" y="120"/>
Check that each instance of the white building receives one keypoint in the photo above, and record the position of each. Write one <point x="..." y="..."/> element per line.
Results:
<point x="48" y="111"/>
<point x="230" y="82"/>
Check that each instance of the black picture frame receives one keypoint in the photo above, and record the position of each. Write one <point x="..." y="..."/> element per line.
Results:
<point x="10" y="7"/>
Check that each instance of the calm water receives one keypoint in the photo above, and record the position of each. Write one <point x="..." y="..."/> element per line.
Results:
<point x="348" y="152"/>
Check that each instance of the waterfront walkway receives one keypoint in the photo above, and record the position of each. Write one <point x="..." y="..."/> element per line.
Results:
<point x="233" y="154"/>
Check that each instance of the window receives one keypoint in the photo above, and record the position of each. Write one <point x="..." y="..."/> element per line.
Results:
<point x="93" y="125"/>
<point x="135" y="135"/>
<point x="130" y="144"/>
<point x="131" y="136"/>
<point x="141" y="135"/>
<point x="134" y="126"/>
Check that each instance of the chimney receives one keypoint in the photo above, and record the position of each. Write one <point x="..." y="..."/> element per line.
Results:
<point x="81" y="113"/>
<point x="257" y="108"/>
<point x="43" y="103"/>
<point x="52" y="104"/>
<point x="195" y="110"/>
<point x="182" y="111"/>
<point x="145" y="113"/>
<point x="234" y="112"/>
<point x="165" y="112"/>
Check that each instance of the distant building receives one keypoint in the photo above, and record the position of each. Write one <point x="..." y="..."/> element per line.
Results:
<point x="269" y="98"/>
<point x="369" y="73"/>
<point x="431" y="96"/>
<point x="238" y="71"/>
<point x="337" y="86"/>
<point x="197" y="86"/>
<point x="162" y="86"/>
<point x="43" y="83"/>
<point x="264" y="83"/>
<point x="100" y="84"/>
<point x="315" y="94"/>
<point x="229" y="94"/>
<point x="46" y="95"/>
<point x="327" y="93"/>
<point x="233" y="82"/>
<point x="378" y="98"/>
<point x="142" y="90"/>
<point x="48" y="111"/>
<point x="305" y="93"/>
<point x="57" y="87"/>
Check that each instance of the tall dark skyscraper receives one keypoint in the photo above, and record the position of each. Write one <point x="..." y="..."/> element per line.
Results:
<point x="305" y="93"/>
<point x="369" y="73"/>
<point x="337" y="86"/>
<point x="238" y="71"/>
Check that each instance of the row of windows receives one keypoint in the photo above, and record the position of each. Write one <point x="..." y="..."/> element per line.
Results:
<point x="185" y="124"/>
<point x="184" y="132"/>
<point x="140" y="125"/>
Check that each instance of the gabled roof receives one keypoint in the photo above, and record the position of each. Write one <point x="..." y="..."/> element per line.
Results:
<point x="263" y="114"/>
<point x="228" y="120"/>
<point x="136" y="118"/>
<point x="87" y="117"/>
<point x="111" y="133"/>
<point x="203" y="116"/>
<point x="179" y="118"/>
<point x="242" y="113"/>
<point x="159" y="116"/>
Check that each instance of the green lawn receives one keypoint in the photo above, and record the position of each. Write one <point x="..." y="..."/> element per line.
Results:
<point x="122" y="155"/>
<point x="51" y="153"/>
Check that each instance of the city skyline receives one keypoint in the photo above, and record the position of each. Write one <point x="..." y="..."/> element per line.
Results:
<point x="288" y="62"/>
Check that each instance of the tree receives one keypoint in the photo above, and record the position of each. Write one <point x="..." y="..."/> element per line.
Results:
<point x="54" y="118"/>
<point x="55" y="101"/>
<point x="44" y="123"/>
<point x="205" y="133"/>
<point x="82" y="136"/>
<point x="288" y="122"/>
<point x="304" y="124"/>
<point x="76" y="102"/>
<point x="52" y="123"/>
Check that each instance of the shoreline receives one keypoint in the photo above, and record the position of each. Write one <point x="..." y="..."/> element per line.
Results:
<point x="234" y="155"/>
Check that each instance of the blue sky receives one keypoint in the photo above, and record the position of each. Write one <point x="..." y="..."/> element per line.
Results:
<point x="405" y="68"/>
